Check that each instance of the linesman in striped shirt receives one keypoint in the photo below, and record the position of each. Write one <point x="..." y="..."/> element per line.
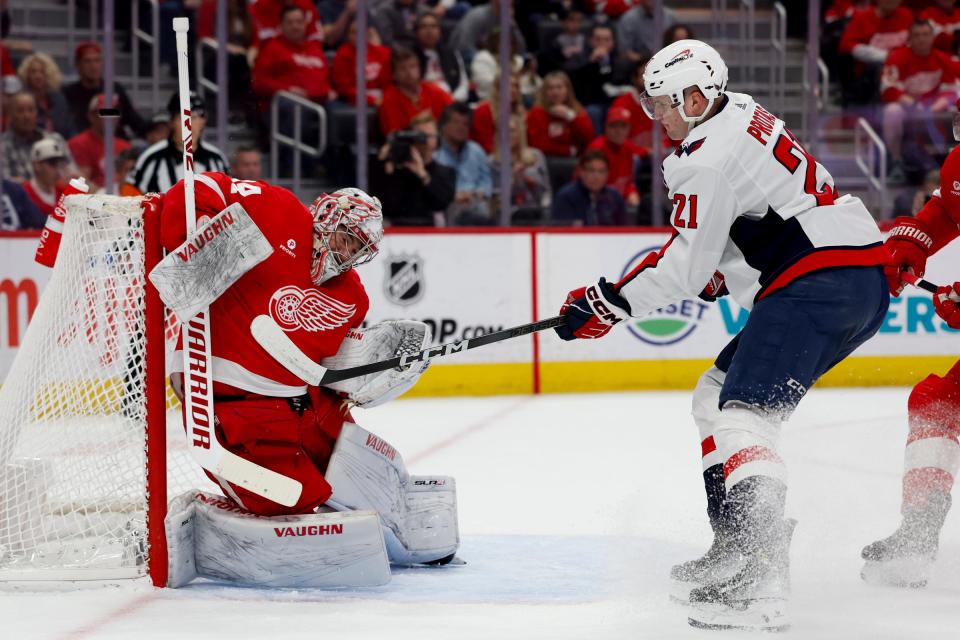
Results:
<point x="160" y="166"/>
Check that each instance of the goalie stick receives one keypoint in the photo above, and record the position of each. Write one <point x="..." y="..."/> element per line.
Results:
<point x="197" y="354"/>
<point x="276" y="342"/>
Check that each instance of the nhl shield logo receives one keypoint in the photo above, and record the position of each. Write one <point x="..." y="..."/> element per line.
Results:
<point x="404" y="282"/>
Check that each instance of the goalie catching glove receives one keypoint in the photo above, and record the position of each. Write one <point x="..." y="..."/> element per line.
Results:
<point x="382" y="341"/>
<point x="590" y="312"/>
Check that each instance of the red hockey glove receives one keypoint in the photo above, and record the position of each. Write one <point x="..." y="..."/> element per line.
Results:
<point x="716" y="288"/>
<point x="590" y="312"/>
<point x="909" y="245"/>
<point x="947" y="302"/>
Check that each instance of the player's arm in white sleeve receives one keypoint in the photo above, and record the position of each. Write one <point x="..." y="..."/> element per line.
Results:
<point x="704" y="207"/>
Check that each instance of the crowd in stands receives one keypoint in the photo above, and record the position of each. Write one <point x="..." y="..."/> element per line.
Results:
<point x="898" y="65"/>
<point x="579" y="141"/>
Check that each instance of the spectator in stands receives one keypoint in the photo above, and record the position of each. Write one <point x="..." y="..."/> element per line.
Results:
<point x="409" y="95"/>
<point x="377" y="71"/>
<point x="159" y="129"/>
<point x="606" y="9"/>
<point x="161" y="166"/>
<point x="471" y="203"/>
<point x="482" y="128"/>
<point x="123" y="166"/>
<point x="909" y="202"/>
<point x="485" y="65"/>
<point x="240" y="52"/>
<point x="336" y="16"/>
<point x="8" y="75"/>
<point x="395" y="20"/>
<point x="439" y="63"/>
<point x="22" y="133"/>
<point x="677" y="32"/>
<point x="944" y="15"/>
<point x="621" y="155"/>
<point x="88" y="147"/>
<point x="530" y="186"/>
<point x="568" y="48"/>
<point x="641" y="126"/>
<point x="267" y="16"/>
<point x="291" y="62"/>
<point x="246" y="163"/>
<point x="414" y="188"/>
<point x="49" y="159"/>
<point x="869" y="36"/>
<point x="557" y="124"/>
<point x="588" y="201"/>
<point x="596" y="68"/>
<point x="917" y="81"/>
<point x="635" y="32"/>
<point x="41" y="76"/>
<point x="474" y="28"/>
<point x="18" y="212"/>
<point x="89" y="63"/>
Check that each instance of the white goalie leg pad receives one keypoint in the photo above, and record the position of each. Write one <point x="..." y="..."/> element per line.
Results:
<point x="179" y="526"/>
<point x="317" y="550"/>
<point x="419" y="513"/>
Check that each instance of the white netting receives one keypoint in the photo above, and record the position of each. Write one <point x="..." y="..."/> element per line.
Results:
<point x="73" y="410"/>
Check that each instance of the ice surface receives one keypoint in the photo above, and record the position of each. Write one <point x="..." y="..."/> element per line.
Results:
<point x="573" y="508"/>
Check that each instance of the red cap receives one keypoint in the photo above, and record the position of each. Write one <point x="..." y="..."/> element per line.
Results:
<point x="618" y="114"/>
<point x="84" y="48"/>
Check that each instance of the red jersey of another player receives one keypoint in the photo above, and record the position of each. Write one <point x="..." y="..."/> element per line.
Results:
<point x="316" y="318"/>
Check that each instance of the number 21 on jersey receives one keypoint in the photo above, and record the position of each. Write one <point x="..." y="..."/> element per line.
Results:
<point x="685" y="211"/>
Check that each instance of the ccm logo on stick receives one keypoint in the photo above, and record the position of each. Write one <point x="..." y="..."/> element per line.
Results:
<point x="426" y="354"/>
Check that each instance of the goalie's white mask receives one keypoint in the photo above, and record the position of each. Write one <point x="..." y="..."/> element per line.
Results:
<point x="347" y="230"/>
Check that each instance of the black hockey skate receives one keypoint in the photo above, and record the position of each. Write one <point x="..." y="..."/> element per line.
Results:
<point x="754" y="597"/>
<point x="722" y="559"/>
<point x="905" y="558"/>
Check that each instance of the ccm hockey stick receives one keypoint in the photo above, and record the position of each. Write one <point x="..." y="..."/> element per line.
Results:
<point x="197" y="355"/>
<point x="275" y="340"/>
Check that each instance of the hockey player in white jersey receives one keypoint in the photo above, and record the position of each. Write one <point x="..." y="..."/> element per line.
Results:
<point x="754" y="215"/>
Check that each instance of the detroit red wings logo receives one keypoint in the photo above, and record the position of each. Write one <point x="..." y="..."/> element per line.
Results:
<point x="311" y="310"/>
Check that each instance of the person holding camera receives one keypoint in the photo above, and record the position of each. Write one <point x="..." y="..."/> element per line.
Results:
<point x="409" y="182"/>
<point x="471" y="204"/>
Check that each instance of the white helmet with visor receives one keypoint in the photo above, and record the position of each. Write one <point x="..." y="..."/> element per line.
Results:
<point x="347" y="230"/>
<point x="679" y="66"/>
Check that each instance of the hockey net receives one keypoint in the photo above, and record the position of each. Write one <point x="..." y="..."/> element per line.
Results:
<point x="84" y="470"/>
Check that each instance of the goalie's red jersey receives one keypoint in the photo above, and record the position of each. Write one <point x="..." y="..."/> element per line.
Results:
<point x="316" y="318"/>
